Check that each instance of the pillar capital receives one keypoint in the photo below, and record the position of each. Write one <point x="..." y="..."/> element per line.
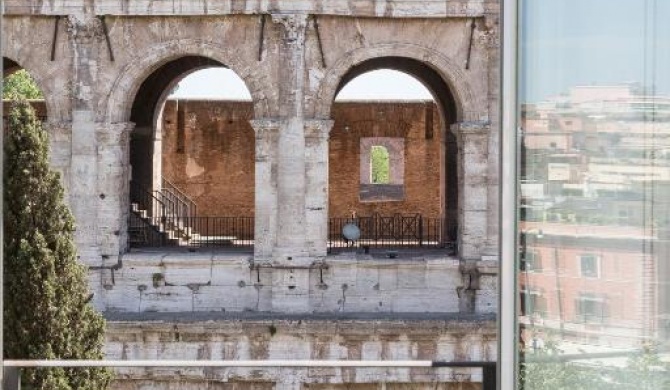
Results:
<point x="113" y="133"/>
<point x="471" y="128"/>
<point x="294" y="25"/>
<point x="265" y="126"/>
<point x="59" y="131"/>
<point x="318" y="128"/>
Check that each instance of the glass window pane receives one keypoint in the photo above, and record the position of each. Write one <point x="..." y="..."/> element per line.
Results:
<point x="594" y="194"/>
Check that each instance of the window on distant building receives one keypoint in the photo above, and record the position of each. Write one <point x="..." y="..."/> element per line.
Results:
<point x="530" y="261"/>
<point x="591" y="309"/>
<point x="589" y="265"/>
<point x="533" y="302"/>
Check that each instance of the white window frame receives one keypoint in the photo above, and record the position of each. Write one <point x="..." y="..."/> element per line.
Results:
<point x="580" y="264"/>
<point x="536" y="258"/>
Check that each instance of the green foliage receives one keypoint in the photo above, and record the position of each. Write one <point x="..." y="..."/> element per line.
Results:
<point x="379" y="165"/>
<point x="20" y="85"/>
<point x="554" y="375"/>
<point x="643" y="371"/>
<point x="47" y="312"/>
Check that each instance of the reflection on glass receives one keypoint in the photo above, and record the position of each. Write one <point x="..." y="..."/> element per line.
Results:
<point x="594" y="195"/>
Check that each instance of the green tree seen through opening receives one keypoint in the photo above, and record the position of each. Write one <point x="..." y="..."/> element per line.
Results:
<point x="20" y="85"/>
<point x="380" y="165"/>
<point x="47" y="312"/>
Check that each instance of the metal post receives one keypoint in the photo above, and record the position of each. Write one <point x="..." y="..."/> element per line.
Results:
<point x="507" y="321"/>
<point x="12" y="378"/>
<point x="420" y="230"/>
<point x="489" y="377"/>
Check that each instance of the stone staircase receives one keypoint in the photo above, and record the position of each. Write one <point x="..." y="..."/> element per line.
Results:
<point x="160" y="218"/>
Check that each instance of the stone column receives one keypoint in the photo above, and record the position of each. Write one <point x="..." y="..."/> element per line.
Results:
<point x="316" y="172"/>
<point x="60" y="151"/>
<point x="472" y="139"/>
<point x="265" y="221"/>
<point x="113" y="187"/>
<point x="85" y="34"/>
<point x="291" y="244"/>
<point x="83" y="181"/>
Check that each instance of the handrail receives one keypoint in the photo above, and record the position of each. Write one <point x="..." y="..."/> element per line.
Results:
<point x="147" y="201"/>
<point x="175" y="191"/>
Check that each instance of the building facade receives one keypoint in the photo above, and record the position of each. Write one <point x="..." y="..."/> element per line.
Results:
<point x="106" y="69"/>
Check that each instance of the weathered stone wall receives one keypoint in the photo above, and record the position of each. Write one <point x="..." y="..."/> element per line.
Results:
<point x="346" y="283"/>
<point x="208" y="152"/>
<point x="293" y="56"/>
<point x="246" y="338"/>
<point x="293" y="62"/>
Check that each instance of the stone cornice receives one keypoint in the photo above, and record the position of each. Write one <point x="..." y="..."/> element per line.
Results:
<point x="318" y="128"/>
<point x="370" y="8"/>
<point x="265" y="125"/>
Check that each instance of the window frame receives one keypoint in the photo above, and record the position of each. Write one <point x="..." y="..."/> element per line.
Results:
<point x="580" y="263"/>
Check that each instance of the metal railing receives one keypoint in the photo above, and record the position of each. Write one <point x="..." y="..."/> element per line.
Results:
<point x="173" y="231"/>
<point x="169" y="218"/>
<point x="146" y="205"/>
<point x="396" y="231"/>
<point x="186" y="206"/>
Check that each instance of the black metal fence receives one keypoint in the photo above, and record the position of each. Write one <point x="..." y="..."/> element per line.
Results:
<point x="396" y="231"/>
<point x="237" y="232"/>
<point x="152" y="224"/>
<point x="169" y="218"/>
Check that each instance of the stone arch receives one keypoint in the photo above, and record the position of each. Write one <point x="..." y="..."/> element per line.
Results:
<point x="51" y="101"/>
<point x="118" y="103"/>
<point x="467" y="107"/>
<point x="450" y="89"/>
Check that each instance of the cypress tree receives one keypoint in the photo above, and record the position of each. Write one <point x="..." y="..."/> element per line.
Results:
<point x="47" y="312"/>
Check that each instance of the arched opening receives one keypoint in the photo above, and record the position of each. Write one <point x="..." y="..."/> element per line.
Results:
<point x="9" y="67"/>
<point x="392" y="159"/>
<point x="192" y="156"/>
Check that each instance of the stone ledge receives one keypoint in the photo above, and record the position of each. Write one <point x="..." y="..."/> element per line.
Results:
<point x="122" y="319"/>
<point x="392" y="9"/>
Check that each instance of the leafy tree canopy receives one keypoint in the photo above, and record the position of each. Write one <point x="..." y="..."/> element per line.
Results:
<point x="20" y="85"/>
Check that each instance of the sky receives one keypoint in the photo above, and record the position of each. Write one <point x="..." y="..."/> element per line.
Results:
<point x="221" y="83"/>
<point x="564" y="43"/>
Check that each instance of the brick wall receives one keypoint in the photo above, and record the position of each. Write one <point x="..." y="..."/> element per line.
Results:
<point x="407" y="120"/>
<point x="210" y="154"/>
<point x="208" y="151"/>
